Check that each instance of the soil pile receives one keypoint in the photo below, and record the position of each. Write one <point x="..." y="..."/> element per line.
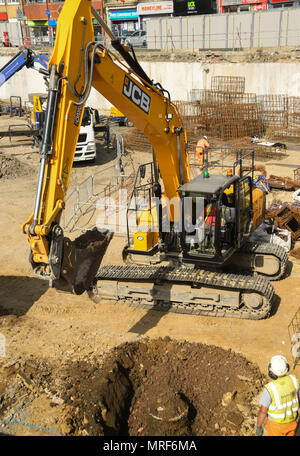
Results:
<point x="164" y="388"/>
<point x="11" y="168"/>
<point x="151" y="388"/>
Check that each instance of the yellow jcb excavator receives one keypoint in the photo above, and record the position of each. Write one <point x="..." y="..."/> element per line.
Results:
<point x="209" y="218"/>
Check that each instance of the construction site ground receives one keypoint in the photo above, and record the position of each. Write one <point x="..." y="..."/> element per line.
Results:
<point x="74" y="367"/>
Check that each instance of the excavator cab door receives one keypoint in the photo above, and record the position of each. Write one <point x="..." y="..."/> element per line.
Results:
<point x="244" y="209"/>
<point x="200" y="227"/>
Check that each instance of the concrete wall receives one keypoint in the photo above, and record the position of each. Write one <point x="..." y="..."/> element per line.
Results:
<point x="179" y="78"/>
<point x="275" y="27"/>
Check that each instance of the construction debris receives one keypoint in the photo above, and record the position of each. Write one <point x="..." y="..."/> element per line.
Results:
<point x="270" y="234"/>
<point x="296" y="195"/>
<point x="282" y="183"/>
<point x="285" y="216"/>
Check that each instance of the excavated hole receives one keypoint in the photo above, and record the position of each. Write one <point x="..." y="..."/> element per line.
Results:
<point x="167" y="388"/>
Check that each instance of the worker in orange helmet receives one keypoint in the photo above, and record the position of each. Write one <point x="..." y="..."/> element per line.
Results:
<point x="201" y="146"/>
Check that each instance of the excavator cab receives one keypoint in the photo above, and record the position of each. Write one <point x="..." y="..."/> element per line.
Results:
<point x="217" y="217"/>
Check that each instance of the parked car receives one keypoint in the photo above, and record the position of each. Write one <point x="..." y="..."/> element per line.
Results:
<point x="137" y="39"/>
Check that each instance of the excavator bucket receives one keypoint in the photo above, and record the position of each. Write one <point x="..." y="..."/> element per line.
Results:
<point x="81" y="260"/>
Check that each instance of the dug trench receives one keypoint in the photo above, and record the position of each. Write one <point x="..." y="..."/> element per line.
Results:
<point x="153" y="387"/>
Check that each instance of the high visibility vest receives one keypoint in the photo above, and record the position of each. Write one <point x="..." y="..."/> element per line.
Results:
<point x="210" y="214"/>
<point x="201" y="145"/>
<point x="284" y="393"/>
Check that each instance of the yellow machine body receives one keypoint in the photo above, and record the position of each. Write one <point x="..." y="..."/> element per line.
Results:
<point x="77" y="64"/>
<point x="147" y="238"/>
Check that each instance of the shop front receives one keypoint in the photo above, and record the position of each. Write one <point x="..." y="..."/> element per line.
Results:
<point x="38" y="32"/>
<point x="193" y="7"/>
<point x="3" y="17"/>
<point x="233" y="6"/>
<point x="123" y="21"/>
<point x="283" y="3"/>
<point x="158" y="9"/>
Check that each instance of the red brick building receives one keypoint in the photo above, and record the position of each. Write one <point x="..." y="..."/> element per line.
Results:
<point x="35" y="10"/>
<point x="41" y="18"/>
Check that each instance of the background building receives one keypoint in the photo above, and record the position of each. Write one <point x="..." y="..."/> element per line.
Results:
<point x="10" y="29"/>
<point x="232" y="6"/>
<point x="150" y="10"/>
<point x="41" y="18"/>
<point x="121" y="16"/>
<point x="283" y="3"/>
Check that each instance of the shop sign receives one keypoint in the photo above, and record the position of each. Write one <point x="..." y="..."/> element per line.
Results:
<point x="249" y="2"/>
<point x="37" y="23"/>
<point x="190" y="7"/>
<point x="123" y="14"/>
<point x="155" y="8"/>
<point x="3" y="17"/>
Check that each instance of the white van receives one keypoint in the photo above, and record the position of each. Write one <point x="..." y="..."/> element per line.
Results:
<point x="86" y="144"/>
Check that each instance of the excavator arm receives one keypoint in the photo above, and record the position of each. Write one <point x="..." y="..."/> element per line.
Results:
<point x="77" y="64"/>
<point x="24" y="58"/>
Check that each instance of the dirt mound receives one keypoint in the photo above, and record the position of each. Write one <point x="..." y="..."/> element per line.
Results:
<point x="164" y="388"/>
<point x="11" y="167"/>
<point x="155" y="387"/>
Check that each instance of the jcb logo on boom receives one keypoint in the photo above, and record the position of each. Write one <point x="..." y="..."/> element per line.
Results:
<point x="137" y="95"/>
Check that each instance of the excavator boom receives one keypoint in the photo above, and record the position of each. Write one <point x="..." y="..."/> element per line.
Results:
<point x="77" y="64"/>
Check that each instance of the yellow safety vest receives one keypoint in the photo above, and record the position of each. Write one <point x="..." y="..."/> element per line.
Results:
<point x="208" y="211"/>
<point x="284" y="393"/>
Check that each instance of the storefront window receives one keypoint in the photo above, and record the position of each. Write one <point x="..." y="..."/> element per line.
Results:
<point x="39" y="35"/>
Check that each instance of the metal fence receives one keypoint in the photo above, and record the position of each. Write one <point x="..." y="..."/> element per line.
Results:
<point x="82" y="204"/>
<point x="254" y="29"/>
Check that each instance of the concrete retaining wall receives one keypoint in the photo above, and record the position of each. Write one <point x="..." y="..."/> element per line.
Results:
<point x="179" y="78"/>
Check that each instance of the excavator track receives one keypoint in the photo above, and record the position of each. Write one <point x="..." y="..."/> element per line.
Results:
<point x="188" y="291"/>
<point x="253" y="258"/>
<point x="257" y="254"/>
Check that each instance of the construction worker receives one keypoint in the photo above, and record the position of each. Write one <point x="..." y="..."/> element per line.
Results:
<point x="279" y="402"/>
<point x="201" y="146"/>
<point x="210" y="213"/>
